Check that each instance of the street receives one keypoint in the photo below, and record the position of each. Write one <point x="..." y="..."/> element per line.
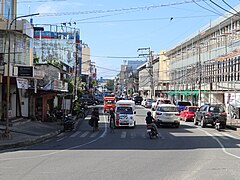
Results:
<point x="187" y="152"/>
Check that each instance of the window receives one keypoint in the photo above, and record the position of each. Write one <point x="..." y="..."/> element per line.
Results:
<point x="217" y="109"/>
<point x="167" y="109"/>
<point x="124" y="110"/>
<point x="192" y="109"/>
<point x="184" y="103"/>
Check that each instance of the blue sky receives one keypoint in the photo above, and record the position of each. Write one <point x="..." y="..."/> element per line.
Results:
<point x="119" y="28"/>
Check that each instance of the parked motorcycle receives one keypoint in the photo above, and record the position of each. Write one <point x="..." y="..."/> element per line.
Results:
<point x="68" y="123"/>
<point x="152" y="132"/>
<point x="219" y="124"/>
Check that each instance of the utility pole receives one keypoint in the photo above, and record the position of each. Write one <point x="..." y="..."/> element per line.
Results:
<point x="7" y="131"/>
<point x="149" y="67"/>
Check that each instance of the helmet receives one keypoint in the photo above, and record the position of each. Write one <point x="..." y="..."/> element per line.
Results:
<point x="95" y="109"/>
<point x="111" y="109"/>
<point x="149" y="113"/>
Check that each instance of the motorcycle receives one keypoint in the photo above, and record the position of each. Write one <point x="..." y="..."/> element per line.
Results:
<point x="68" y="123"/>
<point x="152" y="132"/>
<point x="219" y="124"/>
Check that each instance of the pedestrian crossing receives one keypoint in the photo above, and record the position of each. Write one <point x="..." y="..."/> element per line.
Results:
<point x="144" y="135"/>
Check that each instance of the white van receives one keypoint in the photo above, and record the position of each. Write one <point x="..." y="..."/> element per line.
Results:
<point x="124" y="113"/>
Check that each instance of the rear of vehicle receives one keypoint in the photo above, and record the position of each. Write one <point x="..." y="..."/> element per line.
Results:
<point x="124" y="116"/>
<point x="109" y="103"/>
<point x="138" y="99"/>
<point x="215" y="112"/>
<point x="167" y="114"/>
<point x="148" y="103"/>
<point x="188" y="113"/>
<point x="182" y="104"/>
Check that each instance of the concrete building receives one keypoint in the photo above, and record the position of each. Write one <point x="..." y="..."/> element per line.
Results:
<point x="205" y="67"/>
<point x="15" y="58"/>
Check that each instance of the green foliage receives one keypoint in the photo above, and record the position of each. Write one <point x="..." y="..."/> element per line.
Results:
<point x="35" y="59"/>
<point x="110" y="85"/>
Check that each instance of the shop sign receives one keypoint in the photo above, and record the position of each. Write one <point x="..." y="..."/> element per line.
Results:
<point x="25" y="71"/>
<point x="22" y="83"/>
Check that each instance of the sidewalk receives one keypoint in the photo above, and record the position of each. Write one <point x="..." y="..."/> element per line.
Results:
<point x="28" y="133"/>
<point x="233" y="124"/>
<point x="31" y="132"/>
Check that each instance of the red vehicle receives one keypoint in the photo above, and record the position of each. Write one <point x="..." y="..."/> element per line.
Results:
<point x="188" y="113"/>
<point x="109" y="102"/>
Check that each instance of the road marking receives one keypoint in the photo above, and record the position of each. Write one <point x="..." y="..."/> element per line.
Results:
<point x="231" y="136"/>
<point x="85" y="134"/>
<point x="60" y="139"/>
<point x="221" y="145"/>
<point x="238" y="145"/>
<point x="144" y="135"/>
<point x="124" y="134"/>
<point x="75" y="134"/>
<point x="94" y="134"/>
<point x="133" y="135"/>
<point x="221" y="136"/>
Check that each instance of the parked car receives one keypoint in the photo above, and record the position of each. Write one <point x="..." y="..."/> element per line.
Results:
<point x="182" y="104"/>
<point x="160" y="101"/>
<point x="138" y="99"/>
<point x="209" y="113"/>
<point x="167" y="114"/>
<point x="188" y="113"/>
<point x="89" y="101"/>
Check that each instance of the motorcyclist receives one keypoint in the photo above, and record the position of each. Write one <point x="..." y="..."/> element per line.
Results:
<point x="150" y="121"/>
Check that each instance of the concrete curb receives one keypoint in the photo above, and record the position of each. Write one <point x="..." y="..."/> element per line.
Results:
<point x="30" y="141"/>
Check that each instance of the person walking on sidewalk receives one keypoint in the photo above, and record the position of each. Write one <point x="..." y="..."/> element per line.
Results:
<point x="95" y="119"/>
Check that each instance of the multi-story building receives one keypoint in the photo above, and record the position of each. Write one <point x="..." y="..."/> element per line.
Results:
<point x="15" y="62"/>
<point x="57" y="53"/>
<point x="205" y="67"/>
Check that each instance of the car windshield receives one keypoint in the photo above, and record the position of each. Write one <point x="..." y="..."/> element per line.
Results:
<point x="184" y="103"/>
<point x="217" y="109"/>
<point x="124" y="110"/>
<point x="167" y="109"/>
<point x="193" y="109"/>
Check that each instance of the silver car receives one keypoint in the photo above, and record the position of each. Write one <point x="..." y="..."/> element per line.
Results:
<point x="167" y="114"/>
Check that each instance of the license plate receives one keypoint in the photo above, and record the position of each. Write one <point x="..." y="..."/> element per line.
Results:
<point x="148" y="130"/>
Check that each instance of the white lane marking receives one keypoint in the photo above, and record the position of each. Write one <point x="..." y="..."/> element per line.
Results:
<point x="231" y="136"/>
<point x="84" y="134"/>
<point x="221" y="145"/>
<point x="75" y="134"/>
<point x="133" y="135"/>
<point x="144" y="135"/>
<point x="238" y="145"/>
<point x="60" y="139"/>
<point x="94" y="134"/>
<point x="61" y="151"/>
<point x="221" y="136"/>
<point x="124" y="134"/>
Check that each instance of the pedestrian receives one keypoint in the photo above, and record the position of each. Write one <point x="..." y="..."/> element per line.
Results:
<point x="111" y="119"/>
<point x="95" y="119"/>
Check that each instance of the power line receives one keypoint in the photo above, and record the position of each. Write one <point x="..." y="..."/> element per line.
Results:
<point x="107" y="69"/>
<point x="121" y="9"/>
<point x="230" y="6"/>
<point x="147" y="19"/>
<point x="223" y="8"/>
<point x="36" y="1"/>
<point x="206" y="8"/>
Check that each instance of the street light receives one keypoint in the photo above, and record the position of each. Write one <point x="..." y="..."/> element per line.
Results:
<point x="7" y="132"/>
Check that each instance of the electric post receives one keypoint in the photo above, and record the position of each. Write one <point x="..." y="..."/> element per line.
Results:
<point x="149" y="67"/>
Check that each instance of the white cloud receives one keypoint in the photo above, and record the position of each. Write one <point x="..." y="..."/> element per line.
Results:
<point x="47" y="8"/>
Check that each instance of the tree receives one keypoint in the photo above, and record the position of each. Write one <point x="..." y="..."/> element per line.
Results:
<point x="110" y="85"/>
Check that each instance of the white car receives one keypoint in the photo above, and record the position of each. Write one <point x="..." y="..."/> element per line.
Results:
<point x="160" y="101"/>
<point x="167" y="114"/>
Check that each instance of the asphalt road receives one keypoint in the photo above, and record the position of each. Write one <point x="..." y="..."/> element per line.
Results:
<point x="188" y="152"/>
